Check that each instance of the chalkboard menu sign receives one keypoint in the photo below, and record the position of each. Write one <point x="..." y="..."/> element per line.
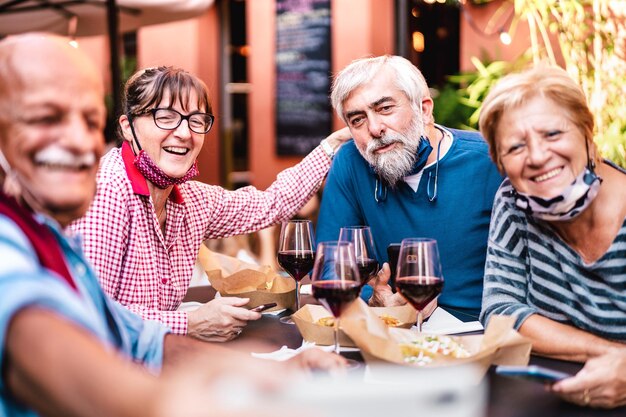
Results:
<point x="303" y="111"/>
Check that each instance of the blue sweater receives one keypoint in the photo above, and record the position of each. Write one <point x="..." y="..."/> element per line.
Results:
<point x="458" y="219"/>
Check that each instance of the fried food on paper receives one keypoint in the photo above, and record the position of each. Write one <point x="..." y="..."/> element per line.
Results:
<point x="390" y="320"/>
<point x="426" y="349"/>
<point x="326" y="321"/>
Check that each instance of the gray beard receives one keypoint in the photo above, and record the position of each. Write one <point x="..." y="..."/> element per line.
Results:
<point x="392" y="166"/>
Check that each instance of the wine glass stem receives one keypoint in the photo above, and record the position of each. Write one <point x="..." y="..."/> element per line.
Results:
<point x="336" y="333"/>
<point x="420" y="320"/>
<point x="297" y="295"/>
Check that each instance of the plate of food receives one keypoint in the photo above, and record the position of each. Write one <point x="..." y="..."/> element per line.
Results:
<point x="315" y="323"/>
<point x="500" y="344"/>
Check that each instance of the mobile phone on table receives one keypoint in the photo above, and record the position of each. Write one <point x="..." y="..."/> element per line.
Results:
<point x="393" y="252"/>
<point x="532" y="373"/>
<point x="263" y="307"/>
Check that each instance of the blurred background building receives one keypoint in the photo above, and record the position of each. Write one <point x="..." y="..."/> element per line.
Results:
<point x="262" y="61"/>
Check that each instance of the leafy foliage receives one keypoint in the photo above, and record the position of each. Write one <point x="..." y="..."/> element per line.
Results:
<point x="593" y="55"/>
<point x="591" y="35"/>
<point x="462" y="97"/>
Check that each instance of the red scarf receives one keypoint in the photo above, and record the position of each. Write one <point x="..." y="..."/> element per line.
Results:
<point x="43" y="240"/>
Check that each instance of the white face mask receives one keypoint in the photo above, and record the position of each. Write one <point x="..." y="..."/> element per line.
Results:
<point x="16" y="188"/>
<point x="11" y="185"/>
<point x="572" y="201"/>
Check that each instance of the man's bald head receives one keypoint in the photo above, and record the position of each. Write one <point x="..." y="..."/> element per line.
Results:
<point x="52" y="117"/>
<point x="39" y="56"/>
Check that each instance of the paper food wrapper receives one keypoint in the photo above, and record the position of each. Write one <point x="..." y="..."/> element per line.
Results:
<point x="499" y="345"/>
<point x="232" y="277"/>
<point x="307" y="317"/>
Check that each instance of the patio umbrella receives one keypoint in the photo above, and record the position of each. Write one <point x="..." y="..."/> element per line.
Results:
<point x="95" y="17"/>
<point x="18" y="16"/>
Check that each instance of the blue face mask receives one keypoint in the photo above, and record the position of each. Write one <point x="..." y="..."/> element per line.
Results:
<point x="423" y="152"/>
<point x="572" y="201"/>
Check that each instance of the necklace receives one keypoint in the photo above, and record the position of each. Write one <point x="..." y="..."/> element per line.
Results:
<point x="162" y="218"/>
<point x="161" y="212"/>
<point x="432" y="196"/>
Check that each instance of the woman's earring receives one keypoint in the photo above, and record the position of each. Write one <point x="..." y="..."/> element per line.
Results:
<point x="592" y="164"/>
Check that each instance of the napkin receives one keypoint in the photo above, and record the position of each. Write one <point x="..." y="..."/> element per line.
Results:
<point x="442" y="322"/>
<point x="285" y="353"/>
<point x="306" y="289"/>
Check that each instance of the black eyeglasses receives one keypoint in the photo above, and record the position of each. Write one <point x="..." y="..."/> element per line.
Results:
<point x="169" y="119"/>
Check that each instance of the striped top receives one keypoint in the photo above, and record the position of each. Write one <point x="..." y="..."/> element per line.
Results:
<point x="530" y="269"/>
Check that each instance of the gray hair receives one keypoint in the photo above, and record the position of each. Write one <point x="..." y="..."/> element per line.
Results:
<point x="516" y="89"/>
<point x="408" y="79"/>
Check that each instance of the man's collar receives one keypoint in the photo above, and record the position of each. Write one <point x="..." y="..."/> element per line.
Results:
<point x="138" y="181"/>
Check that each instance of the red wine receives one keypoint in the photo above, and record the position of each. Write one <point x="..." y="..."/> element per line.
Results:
<point x="367" y="268"/>
<point x="419" y="291"/>
<point x="296" y="263"/>
<point x="335" y="295"/>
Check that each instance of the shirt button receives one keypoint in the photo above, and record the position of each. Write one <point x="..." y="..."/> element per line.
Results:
<point x="80" y="269"/>
<point x="164" y="280"/>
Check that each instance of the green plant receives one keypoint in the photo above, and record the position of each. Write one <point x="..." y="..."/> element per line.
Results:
<point x="128" y="65"/>
<point x="590" y="36"/>
<point x="458" y="103"/>
<point x="449" y="109"/>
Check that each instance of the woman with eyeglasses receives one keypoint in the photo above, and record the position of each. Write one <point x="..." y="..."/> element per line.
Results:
<point x="557" y="244"/>
<point x="149" y="218"/>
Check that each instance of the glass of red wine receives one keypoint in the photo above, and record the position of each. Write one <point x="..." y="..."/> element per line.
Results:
<point x="296" y="253"/>
<point x="335" y="279"/>
<point x="364" y="250"/>
<point x="419" y="278"/>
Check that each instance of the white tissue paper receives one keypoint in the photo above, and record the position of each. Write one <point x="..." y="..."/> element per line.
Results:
<point x="285" y="353"/>
<point x="442" y="322"/>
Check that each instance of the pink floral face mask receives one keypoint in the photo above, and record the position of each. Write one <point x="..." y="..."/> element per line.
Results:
<point x="155" y="175"/>
<point x="150" y="170"/>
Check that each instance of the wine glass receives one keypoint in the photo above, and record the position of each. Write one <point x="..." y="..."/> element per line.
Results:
<point x="296" y="253"/>
<point x="364" y="250"/>
<point x="335" y="279"/>
<point x="419" y="278"/>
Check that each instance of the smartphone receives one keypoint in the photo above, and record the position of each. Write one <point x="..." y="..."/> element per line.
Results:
<point x="263" y="307"/>
<point x="532" y="373"/>
<point x="393" y="252"/>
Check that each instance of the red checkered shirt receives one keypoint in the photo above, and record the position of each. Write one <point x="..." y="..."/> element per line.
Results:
<point x="150" y="273"/>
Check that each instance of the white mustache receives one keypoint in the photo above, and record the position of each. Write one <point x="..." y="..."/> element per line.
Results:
<point x="57" y="155"/>
<point x="381" y="143"/>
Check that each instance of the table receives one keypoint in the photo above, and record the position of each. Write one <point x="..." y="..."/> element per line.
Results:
<point x="507" y="397"/>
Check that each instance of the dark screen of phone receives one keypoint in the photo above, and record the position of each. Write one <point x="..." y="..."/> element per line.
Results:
<point x="393" y="252"/>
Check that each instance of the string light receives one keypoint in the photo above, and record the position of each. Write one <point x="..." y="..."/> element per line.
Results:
<point x="418" y="41"/>
<point x="505" y="38"/>
<point x="501" y="32"/>
<point x="72" y="25"/>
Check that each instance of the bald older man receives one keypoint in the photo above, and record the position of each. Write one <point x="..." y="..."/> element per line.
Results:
<point x="65" y="348"/>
